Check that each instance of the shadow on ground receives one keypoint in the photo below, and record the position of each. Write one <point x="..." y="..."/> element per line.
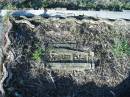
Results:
<point x="43" y="85"/>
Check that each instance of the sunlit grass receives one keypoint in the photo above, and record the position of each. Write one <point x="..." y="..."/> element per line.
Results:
<point x="121" y="47"/>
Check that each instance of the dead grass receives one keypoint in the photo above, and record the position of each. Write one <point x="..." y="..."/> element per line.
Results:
<point x="34" y="79"/>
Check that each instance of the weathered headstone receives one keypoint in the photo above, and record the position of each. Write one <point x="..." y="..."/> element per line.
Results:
<point x="65" y="56"/>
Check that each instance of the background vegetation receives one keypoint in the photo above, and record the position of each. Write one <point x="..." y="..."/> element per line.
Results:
<point x="115" y="5"/>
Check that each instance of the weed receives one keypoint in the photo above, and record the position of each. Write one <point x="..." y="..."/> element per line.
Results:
<point x="37" y="55"/>
<point x="121" y="47"/>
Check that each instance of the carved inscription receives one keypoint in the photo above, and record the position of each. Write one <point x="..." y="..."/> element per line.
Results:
<point x="73" y="57"/>
<point x="65" y="57"/>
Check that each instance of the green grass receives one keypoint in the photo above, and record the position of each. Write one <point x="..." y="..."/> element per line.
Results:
<point x="37" y="55"/>
<point x="121" y="47"/>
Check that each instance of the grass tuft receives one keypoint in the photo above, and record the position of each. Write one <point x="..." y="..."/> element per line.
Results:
<point x="37" y="55"/>
<point x="121" y="47"/>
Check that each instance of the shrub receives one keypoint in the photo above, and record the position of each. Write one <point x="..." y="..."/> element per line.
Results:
<point x="127" y="6"/>
<point x="9" y="6"/>
<point x="99" y="6"/>
<point x="115" y="5"/>
<point x="90" y="5"/>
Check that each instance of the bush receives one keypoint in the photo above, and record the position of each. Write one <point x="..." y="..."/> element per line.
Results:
<point x="99" y="6"/>
<point x="9" y="6"/>
<point x="115" y="5"/>
<point x="30" y="4"/>
<point x="127" y="6"/>
<point x="91" y="6"/>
